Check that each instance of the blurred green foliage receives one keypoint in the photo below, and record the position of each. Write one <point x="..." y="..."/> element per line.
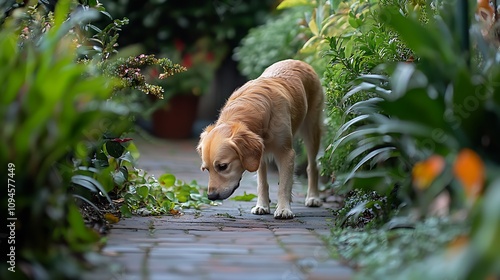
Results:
<point x="156" y="24"/>
<point x="49" y="104"/>
<point x="60" y="78"/>
<point x="146" y="195"/>
<point x="358" y="49"/>
<point x="442" y="106"/>
<point x="279" y="38"/>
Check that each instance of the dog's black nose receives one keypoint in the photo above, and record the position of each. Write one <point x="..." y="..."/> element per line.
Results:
<point x="213" y="196"/>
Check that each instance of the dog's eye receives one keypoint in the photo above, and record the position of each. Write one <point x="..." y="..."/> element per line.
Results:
<point x="222" y="166"/>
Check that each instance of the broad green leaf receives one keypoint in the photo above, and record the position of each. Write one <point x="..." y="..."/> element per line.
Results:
<point x="294" y="3"/>
<point x="143" y="191"/>
<point x="313" y="26"/>
<point x="167" y="205"/>
<point x="365" y="146"/>
<point x="170" y="196"/>
<point x="380" y="180"/>
<point x="368" y="157"/>
<point x="127" y="157"/>
<point x="81" y="180"/>
<point x="419" y="101"/>
<point x="114" y="149"/>
<point x="167" y="180"/>
<point x="348" y="125"/>
<point x="386" y="126"/>
<point x="125" y="210"/>
<point x="368" y="106"/>
<point x="91" y="184"/>
<point x="244" y="197"/>
<point x="119" y="178"/>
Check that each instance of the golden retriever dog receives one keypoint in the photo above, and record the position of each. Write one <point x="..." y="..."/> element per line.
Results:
<point x="259" y="120"/>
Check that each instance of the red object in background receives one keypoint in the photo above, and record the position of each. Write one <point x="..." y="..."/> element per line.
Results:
<point x="121" y="140"/>
<point x="187" y="61"/>
<point x="210" y="56"/>
<point x="176" y="119"/>
<point x="179" y="45"/>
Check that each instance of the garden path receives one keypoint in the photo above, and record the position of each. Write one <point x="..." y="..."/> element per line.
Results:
<point x="218" y="242"/>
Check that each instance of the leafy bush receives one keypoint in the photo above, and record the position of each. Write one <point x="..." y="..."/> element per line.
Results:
<point x="56" y="106"/>
<point x="226" y="22"/>
<point x="146" y="195"/>
<point x="365" y="43"/>
<point x="279" y="38"/>
<point x="43" y="121"/>
<point x="383" y="253"/>
<point x="437" y="119"/>
<point x="346" y="39"/>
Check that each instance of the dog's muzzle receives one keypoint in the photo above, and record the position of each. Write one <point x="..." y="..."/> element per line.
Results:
<point x="224" y="194"/>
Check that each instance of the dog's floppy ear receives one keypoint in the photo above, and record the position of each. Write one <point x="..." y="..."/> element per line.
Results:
<point x="202" y="135"/>
<point x="250" y="147"/>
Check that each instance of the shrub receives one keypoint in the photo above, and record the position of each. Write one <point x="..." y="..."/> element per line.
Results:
<point x="57" y="105"/>
<point x="279" y="38"/>
<point x="363" y="45"/>
<point x="44" y="120"/>
<point x="437" y="119"/>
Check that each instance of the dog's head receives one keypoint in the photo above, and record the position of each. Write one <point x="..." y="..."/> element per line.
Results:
<point x="226" y="151"/>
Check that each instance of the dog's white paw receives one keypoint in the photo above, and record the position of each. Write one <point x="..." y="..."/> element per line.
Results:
<point x="260" y="210"/>
<point x="313" y="202"/>
<point x="283" y="214"/>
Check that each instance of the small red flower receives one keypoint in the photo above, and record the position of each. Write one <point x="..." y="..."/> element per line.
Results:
<point x="121" y="140"/>
<point x="187" y="61"/>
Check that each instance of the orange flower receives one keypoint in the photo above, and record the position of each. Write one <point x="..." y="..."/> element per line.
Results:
<point x="457" y="244"/>
<point x="469" y="170"/>
<point x="424" y="172"/>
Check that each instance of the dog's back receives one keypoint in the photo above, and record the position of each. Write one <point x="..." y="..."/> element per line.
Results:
<point x="291" y="80"/>
<point x="295" y="69"/>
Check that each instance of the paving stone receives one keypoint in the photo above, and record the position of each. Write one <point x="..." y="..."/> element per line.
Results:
<point x="219" y="242"/>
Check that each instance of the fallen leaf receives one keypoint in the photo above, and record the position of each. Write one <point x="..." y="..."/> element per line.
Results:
<point x="112" y="219"/>
<point x="174" y="212"/>
<point x="244" y="197"/>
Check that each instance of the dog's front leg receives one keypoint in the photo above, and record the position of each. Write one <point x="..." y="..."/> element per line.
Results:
<point x="285" y="160"/>
<point x="262" y="206"/>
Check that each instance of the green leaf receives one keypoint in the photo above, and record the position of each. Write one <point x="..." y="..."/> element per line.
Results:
<point x="143" y="191"/>
<point x="119" y="178"/>
<point x="244" y="197"/>
<point x="167" y="180"/>
<point x="114" y="149"/>
<point x="91" y="184"/>
<point x="81" y="180"/>
<point x="167" y="205"/>
<point x="170" y="196"/>
<point x="125" y="210"/>
<point x="294" y="3"/>
<point x="368" y="157"/>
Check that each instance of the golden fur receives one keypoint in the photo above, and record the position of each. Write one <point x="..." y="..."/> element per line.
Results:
<point x="262" y="118"/>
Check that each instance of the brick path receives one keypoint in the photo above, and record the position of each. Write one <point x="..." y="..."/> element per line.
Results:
<point x="219" y="242"/>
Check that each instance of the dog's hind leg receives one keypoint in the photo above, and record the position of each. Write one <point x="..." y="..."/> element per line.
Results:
<point x="311" y="134"/>
<point x="262" y="206"/>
